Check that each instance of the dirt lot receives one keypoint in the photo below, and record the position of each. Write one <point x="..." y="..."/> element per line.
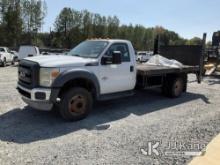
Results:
<point x="117" y="132"/>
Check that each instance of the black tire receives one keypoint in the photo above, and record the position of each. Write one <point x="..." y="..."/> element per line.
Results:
<point x="13" y="62"/>
<point x="75" y="104"/>
<point x="4" y="63"/>
<point x="174" y="86"/>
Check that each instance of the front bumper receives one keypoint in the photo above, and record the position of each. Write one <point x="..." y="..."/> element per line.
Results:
<point x="38" y="98"/>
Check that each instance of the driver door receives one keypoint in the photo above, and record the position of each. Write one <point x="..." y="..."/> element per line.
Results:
<point x="117" y="77"/>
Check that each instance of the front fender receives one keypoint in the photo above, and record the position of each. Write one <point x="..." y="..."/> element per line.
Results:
<point x="70" y="75"/>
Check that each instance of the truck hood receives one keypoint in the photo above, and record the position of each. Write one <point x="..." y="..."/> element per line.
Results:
<point x="60" y="61"/>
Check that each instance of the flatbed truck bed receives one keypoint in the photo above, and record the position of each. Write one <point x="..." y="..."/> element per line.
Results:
<point x="152" y="70"/>
<point x="150" y="76"/>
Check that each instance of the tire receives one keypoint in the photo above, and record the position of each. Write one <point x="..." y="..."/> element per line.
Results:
<point x="174" y="87"/>
<point x="75" y="104"/>
<point x="4" y="63"/>
<point x="13" y="62"/>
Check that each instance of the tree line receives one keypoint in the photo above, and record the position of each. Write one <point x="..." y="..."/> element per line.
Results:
<point x="22" y="20"/>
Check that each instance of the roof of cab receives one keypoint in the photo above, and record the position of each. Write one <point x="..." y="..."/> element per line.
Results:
<point x="109" y="40"/>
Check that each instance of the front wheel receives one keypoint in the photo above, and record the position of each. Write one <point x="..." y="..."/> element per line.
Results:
<point x="75" y="104"/>
<point x="4" y="62"/>
<point x="13" y="62"/>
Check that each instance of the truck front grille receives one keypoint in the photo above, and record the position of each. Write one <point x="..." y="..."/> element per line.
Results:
<point x="28" y="74"/>
<point x="25" y="75"/>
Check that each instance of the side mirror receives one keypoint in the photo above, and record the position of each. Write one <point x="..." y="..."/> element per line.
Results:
<point x="114" y="59"/>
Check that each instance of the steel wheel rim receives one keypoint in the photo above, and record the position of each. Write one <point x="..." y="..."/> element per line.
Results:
<point x="77" y="105"/>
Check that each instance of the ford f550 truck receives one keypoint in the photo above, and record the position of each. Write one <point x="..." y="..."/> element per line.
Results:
<point x="99" y="70"/>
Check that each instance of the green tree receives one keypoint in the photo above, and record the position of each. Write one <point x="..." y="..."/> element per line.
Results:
<point x="72" y="27"/>
<point x="33" y="13"/>
<point x="11" y="23"/>
<point x="113" y="26"/>
<point x="194" y="41"/>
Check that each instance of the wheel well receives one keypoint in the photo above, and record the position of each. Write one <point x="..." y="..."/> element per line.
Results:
<point x="168" y="81"/>
<point x="79" y="82"/>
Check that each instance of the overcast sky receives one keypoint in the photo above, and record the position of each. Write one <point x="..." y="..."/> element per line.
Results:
<point x="189" y="18"/>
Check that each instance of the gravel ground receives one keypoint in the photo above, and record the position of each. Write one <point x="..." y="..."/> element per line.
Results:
<point x="117" y="132"/>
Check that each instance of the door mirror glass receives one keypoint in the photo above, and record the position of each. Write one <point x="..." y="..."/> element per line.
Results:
<point x="106" y="60"/>
<point x="114" y="59"/>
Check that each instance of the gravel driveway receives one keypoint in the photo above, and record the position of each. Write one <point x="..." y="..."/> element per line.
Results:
<point x="117" y="132"/>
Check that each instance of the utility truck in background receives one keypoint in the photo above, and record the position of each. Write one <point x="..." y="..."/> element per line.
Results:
<point x="28" y="51"/>
<point x="101" y="69"/>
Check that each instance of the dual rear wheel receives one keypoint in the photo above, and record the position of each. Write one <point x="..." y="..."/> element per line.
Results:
<point x="175" y="86"/>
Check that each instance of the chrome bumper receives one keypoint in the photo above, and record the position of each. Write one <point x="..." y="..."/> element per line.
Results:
<point x="35" y="103"/>
<point x="32" y="93"/>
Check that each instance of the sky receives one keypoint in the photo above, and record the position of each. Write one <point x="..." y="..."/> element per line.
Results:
<point x="189" y="18"/>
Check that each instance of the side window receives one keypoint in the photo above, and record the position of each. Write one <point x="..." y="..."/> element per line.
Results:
<point x="123" y="48"/>
<point x="2" y="50"/>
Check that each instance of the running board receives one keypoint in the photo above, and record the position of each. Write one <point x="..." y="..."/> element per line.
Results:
<point x="115" y="95"/>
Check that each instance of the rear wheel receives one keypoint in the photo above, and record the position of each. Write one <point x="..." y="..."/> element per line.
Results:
<point x="75" y="104"/>
<point x="177" y="87"/>
<point x="174" y="86"/>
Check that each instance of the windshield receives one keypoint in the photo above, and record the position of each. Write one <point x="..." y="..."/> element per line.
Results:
<point x="89" y="49"/>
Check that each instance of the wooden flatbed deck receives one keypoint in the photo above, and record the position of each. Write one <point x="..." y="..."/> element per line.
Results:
<point x="151" y="70"/>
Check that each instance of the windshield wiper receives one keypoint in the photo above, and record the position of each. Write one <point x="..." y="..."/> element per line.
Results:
<point x="77" y="55"/>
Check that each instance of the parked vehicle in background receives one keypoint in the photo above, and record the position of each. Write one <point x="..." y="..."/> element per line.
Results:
<point x="143" y="56"/>
<point x="15" y="56"/>
<point x="5" y="56"/>
<point x="100" y="70"/>
<point x="28" y="51"/>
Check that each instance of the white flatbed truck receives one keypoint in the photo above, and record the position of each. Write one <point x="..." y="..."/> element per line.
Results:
<point x="100" y="69"/>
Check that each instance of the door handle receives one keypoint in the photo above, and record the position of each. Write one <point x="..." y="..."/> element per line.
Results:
<point x="131" y="68"/>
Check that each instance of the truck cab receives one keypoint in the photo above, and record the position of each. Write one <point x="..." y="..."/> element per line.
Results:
<point x="96" y="68"/>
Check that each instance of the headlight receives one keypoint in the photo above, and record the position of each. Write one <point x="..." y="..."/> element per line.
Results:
<point x="48" y="75"/>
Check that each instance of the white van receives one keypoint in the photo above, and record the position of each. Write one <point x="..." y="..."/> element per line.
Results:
<point x="28" y="51"/>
